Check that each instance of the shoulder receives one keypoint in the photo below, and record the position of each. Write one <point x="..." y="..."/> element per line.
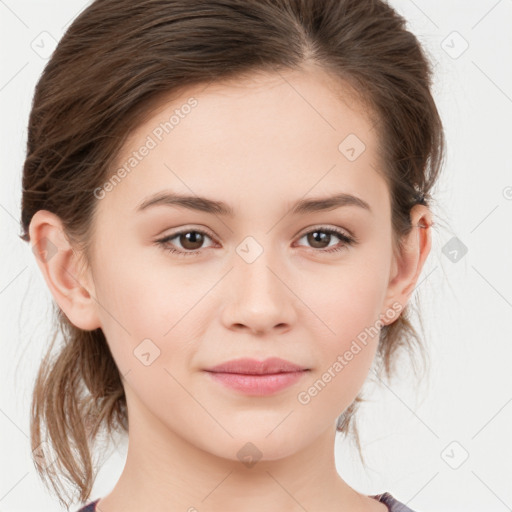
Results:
<point x="89" y="507"/>
<point x="392" y="503"/>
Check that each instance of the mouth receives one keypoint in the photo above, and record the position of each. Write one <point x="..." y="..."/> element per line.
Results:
<point x="257" y="378"/>
<point x="257" y="385"/>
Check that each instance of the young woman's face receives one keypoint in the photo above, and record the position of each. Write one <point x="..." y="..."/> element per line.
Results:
<point x="269" y="279"/>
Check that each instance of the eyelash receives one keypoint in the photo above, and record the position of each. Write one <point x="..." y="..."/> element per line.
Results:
<point x="347" y="241"/>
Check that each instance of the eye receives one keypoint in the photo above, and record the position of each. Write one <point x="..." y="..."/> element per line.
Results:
<point x="320" y="237"/>
<point x="190" y="239"/>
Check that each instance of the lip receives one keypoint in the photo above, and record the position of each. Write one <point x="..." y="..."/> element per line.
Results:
<point x="257" y="378"/>
<point x="248" y="366"/>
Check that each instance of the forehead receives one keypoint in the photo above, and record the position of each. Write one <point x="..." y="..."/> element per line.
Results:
<point x="262" y="136"/>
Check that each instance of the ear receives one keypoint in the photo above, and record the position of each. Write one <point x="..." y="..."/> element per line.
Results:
<point x="408" y="262"/>
<point x="60" y="266"/>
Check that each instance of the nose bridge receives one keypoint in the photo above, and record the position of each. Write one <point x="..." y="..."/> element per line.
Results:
<point x="255" y="269"/>
<point x="259" y="300"/>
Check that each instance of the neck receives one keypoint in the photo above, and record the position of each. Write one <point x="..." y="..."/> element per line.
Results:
<point x="166" y="472"/>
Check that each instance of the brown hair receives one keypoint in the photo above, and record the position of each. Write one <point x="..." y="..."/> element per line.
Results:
<point x="113" y="65"/>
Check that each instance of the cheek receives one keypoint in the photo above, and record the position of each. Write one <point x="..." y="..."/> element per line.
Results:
<point x="346" y="354"/>
<point x="348" y="301"/>
<point x="141" y="302"/>
<point x="132" y="308"/>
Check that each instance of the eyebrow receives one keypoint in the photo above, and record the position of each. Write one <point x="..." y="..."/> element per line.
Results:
<point x="204" y="204"/>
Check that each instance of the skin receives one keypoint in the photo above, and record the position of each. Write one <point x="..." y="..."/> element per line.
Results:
<point x="258" y="144"/>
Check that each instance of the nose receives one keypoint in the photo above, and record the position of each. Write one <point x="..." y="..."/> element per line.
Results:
<point x="258" y="297"/>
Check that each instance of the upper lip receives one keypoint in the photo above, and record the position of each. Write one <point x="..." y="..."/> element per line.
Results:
<point x="253" y="367"/>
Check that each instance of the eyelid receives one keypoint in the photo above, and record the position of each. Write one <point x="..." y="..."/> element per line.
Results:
<point x="322" y="227"/>
<point x="182" y="229"/>
<point x="300" y="234"/>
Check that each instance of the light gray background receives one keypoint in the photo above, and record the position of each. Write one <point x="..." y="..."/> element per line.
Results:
<point x="415" y="441"/>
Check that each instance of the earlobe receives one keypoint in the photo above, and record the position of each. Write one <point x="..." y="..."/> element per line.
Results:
<point x="407" y="265"/>
<point x="59" y="264"/>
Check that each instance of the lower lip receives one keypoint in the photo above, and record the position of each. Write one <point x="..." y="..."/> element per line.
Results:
<point x="258" y="385"/>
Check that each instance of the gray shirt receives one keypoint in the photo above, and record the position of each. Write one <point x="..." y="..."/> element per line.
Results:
<point x="386" y="498"/>
<point x="393" y="504"/>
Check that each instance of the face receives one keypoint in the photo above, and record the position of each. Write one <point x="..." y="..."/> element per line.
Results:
<point x="182" y="287"/>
